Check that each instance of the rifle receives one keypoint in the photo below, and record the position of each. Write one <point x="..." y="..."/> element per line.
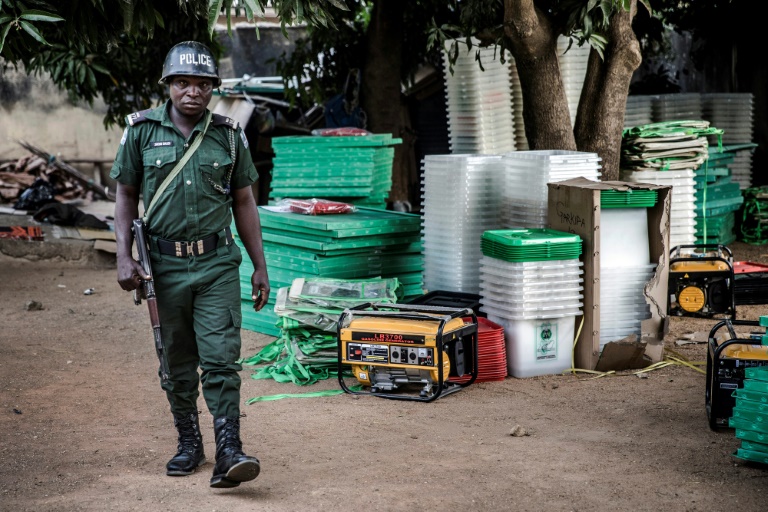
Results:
<point x="147" y="292"/>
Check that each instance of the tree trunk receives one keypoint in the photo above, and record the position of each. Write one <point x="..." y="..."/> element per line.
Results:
<point x="533" y="41"/>
<point x="600" y="116"/>
<point x="381" y="98"/>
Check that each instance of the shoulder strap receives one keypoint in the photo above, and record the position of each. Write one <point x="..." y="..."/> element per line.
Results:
<point x="137" y="117"/>
<point x="181" y="163"/>
<point x="220" y="120"/>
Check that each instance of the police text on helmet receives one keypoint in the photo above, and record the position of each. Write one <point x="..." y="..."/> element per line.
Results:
<point x="195" y="58"/>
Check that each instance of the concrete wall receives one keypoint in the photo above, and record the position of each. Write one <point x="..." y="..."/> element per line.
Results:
<point x="34" y="110"/>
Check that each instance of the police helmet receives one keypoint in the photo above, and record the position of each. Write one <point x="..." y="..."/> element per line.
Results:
<point x="190" y="58"/>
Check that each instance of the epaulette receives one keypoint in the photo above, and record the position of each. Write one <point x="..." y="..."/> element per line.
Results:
<point x="220" y="120"/>
<point x="137" y="117"/>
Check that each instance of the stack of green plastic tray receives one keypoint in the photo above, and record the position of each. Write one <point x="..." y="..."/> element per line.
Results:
<point x="356" y="169"/>
<point x="720" y="229"/>
<point x="714" y="168"/>
<point x="750" y="416"/>
<point x="717" y="198"/>
<point x="539" y="244"/>
<point x="722" y="188"/>
<point x="367" y="243"/>
<point x="628" y="198"/>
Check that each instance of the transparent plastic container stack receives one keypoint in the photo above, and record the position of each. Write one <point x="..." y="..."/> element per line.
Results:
<point x="681" y="106"/>
<point x="460" y="199"/>
<point x="682" y="217"/>
<point x="479" y="103"/>
<point x="531" y="284"/>
<point x="734" y="114"/>
<point x="526" y="174"/>
<point x="639" y="110"/>
<point x="625" y="263"/>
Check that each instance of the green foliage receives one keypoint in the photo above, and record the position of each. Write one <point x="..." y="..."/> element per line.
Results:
<point x="115" y="48"/>
<point x="318" y="66"/>
<point x="25" y="21"/>
<point x="108" y="48"/>
<point x="587" y="22"/>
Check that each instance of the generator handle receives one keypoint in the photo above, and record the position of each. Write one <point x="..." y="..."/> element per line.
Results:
<point x="728" y="261"/>
<point x="722" y="249"/>
<point x="475" y="342"/>
<point x="417" y="312"/>
<point x="339" y="354"/>
<point x="728" y="323"/>
<point x="454" y="312"/>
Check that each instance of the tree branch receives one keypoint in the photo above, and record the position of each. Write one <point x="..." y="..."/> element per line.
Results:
<point x="533" y="41"/>
<point x="600" y="118"/>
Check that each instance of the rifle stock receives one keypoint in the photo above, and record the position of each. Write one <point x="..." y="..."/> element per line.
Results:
<point x="147" y="292"/>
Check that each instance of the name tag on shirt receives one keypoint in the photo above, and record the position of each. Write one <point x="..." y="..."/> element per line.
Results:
<point x="162" y="144"/>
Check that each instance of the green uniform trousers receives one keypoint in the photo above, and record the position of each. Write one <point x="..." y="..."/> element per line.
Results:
<point x="199" y="305"/>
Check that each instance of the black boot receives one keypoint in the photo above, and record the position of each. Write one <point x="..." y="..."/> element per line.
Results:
<point x="190" y="453"/>
<point x="232" y="465"/>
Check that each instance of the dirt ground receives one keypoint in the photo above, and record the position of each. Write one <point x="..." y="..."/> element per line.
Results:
<point x="85" y="427"/>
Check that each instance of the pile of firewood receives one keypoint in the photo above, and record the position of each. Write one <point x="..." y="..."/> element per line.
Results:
<point x="16" y="177"/>
<point x="66" y="181"/>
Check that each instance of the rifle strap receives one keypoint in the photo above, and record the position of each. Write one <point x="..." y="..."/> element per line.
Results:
<point x="177" y="169"/>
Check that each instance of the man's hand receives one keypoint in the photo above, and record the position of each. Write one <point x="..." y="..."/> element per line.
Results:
<point x="129" y="271"/>
<point x="130" y="274"/>
<point x="260" y="293"/>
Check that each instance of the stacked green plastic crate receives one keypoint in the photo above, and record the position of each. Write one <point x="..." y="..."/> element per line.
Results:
<point x="526" y="245"/>
<point x="750" y="416"/>
<point x="367" y="243"/>
<point x="628" y="198"/>
<point x="750" y="413"/>
<point x="718" y="198"/>
<point x="353" y="169"/>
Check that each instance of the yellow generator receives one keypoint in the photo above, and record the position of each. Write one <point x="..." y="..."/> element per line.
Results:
<point x="701" y="281"/>
<point x="407" y="351"/>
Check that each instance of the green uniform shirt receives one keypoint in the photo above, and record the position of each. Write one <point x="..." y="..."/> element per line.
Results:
<point x="190" y="208"/>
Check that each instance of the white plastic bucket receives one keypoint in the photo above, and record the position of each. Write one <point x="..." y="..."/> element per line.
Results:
<point x="537" y="347"/>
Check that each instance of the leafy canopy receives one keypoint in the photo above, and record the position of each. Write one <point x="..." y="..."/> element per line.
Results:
<point x="115" y="48"/>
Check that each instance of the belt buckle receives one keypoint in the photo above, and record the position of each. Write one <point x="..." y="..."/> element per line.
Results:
<point x="189" y="248"/>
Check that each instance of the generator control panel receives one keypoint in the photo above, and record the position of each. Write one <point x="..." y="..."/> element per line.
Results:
<point x="400" y="354"/>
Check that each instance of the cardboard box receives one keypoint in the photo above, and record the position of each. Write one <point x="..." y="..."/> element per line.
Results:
<point x="574" y="207"/>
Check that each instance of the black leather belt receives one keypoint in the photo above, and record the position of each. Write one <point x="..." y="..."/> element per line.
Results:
<point x="183" y="249"/>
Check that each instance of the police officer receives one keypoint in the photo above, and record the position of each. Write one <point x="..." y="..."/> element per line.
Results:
<point x="195" y="263"/>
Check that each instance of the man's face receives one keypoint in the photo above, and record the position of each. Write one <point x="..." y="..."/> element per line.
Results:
<point x="190" y="95"/>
